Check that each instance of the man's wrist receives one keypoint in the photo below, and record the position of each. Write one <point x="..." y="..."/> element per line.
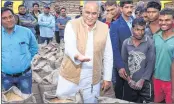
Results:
<point x="76" y="57"/>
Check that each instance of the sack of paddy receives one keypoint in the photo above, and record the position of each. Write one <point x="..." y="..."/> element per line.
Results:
<point x="110" y="100"/>
<point x="58" y="62"/>
<point x="36" y="78"/>
<point x="50" y="97"/>
<point x="52" y="61"/>
<point x="45" y="71"/>
<point x="108" y="92"/>
<point x="14" y="95"/>
<point x="36" y="93"/>
<point x="47" y="88"/>
<point x="51" y="78"/>
<point x="38" y="64"/>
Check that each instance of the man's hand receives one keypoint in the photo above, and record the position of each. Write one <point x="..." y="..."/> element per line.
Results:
<point x="106" y="85"/>
<point x="139" y="84"/>
<point x="132" y="84"/>
<point x="82" y="58"/>
<point x="122" y="73"/>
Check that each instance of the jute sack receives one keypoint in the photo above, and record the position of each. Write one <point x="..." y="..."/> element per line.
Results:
<point x="47" y="88"/>
<point x="51" y="78"/>
<point x="110" y="100"/>
<point x="36" y="93"/>
<point x="36" y="78"/>
<point x="50" y="97"/>
<point x="38" y="64"/>
<point x="58" y="62"/>
<point x="108" y="93"/>
<point x="14" y="95"/>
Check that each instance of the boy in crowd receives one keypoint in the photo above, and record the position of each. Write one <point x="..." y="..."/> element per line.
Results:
<point x="164" y="44"/>
<point x="153" y="10"/>
<point x="138" y="54"/>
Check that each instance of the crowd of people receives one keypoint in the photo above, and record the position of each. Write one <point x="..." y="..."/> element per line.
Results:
<point x="132" y="50"/>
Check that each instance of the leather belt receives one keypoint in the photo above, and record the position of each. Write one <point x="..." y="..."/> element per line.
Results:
<point x="18" y="74"/>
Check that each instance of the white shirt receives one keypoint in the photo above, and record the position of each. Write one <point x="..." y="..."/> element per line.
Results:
<point x="90" y="91"/>
<point x="71" y="51"/>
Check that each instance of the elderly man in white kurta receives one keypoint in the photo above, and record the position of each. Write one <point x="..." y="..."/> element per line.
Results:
<point x="88" y="51"/>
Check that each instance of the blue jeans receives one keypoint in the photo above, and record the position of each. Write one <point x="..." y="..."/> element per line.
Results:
<point x="23" y="82"/>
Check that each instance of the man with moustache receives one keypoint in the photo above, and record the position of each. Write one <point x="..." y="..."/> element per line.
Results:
<point x="61" y="22"/>
<point x="138" y="54"/>
<point x="46" y="25"/>
<point x="26" y="19"/>
<point x="164" y="43"/>
<point x="119" y="31"/>
<point x="9" y="4"/>
<point x="112" y="12"/>
<point x="88" y="52"/>
<point x="153" y="10"/>
<point x="18" y="48"/>
<point x="35" y="13"/>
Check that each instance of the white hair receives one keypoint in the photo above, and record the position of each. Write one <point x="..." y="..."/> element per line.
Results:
<point x="97" y="2"/>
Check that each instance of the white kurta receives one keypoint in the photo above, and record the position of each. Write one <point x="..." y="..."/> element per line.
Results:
<point x="67" y="88"/>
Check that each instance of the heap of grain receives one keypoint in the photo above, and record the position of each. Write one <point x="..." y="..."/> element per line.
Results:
<point x="14" y="95"/>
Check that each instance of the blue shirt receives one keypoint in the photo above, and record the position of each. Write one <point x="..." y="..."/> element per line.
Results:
<point x="62" y="21"/>
<point x="129" y="23"/>
<point x="46" y="25"/>
<point x="18" y="49"/>
<point x="56" y="24"/>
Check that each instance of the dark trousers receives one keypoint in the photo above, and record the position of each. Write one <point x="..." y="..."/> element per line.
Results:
<point x="139" y="96"/>
<point x="37" y="38"/>
<point x="57" y="36"/>
<point x="119" y="86"/>
<point x="43" y="39"/>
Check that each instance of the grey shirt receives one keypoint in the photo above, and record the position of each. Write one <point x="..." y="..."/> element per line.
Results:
<point x="148" y="31"/>
<point x="62" y="21"/>
<point x="140" y="60"/>
<point x="28" y="21"/>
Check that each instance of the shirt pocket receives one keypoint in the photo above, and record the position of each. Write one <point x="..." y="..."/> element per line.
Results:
<point x="23" y="47"/>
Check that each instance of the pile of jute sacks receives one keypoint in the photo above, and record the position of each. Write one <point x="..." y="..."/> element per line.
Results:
<point x="45" y="73"/>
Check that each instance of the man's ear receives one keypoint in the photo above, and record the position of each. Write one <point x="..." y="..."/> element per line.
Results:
<point x="121" y="8"/>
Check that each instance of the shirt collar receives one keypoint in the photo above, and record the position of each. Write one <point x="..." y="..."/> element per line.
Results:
<point x="130" y="19"/>
<point x="63" y="17"/>
<point x="47" y="15"/>
<point x="144" y="39"/>
<point x="14" y="29"/>
<point x="161" y="35"/>
<point x="148" y="27"/>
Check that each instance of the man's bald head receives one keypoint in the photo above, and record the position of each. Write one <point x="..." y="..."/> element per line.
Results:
<point x="90" y="13"/>
<point x="93" y="4"/>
